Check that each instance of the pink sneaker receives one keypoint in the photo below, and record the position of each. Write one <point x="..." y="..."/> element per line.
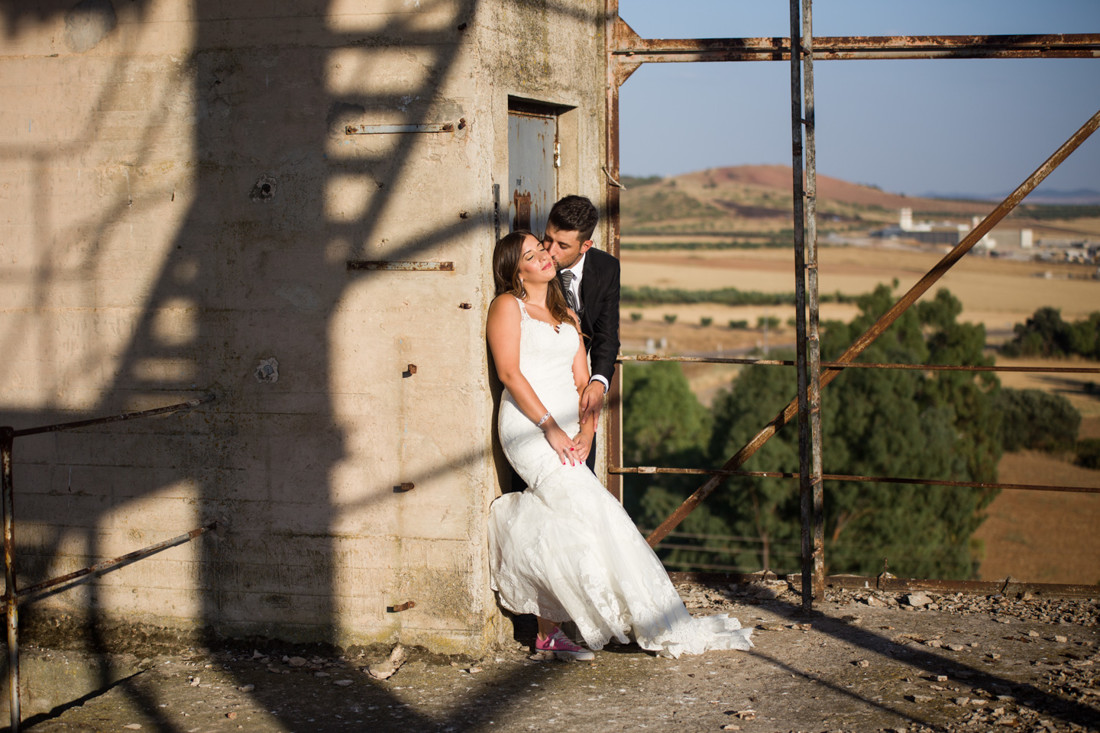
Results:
<point x="563" y="648"/>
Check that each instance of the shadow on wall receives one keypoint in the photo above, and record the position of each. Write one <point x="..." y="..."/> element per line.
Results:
<point x="234" y="157"/>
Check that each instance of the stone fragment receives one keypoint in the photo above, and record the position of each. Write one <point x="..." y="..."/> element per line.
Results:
<point x="918" y="599"/>
<point x="861" y="663"/>
<point x="962" y="701"/>
<point x="957" y="647"/>
<point x="295" y="661"/>
<point x="746" y="714"/>
<point x="920" y="699"/>
<point x="875" y="602"/>
<point x="1060" y="639"/>
<point x="386" y="668"/>
<point x="342" y="683"/>
<point x="247" y="688"/>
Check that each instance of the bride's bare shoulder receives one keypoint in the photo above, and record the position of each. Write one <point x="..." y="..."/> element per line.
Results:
<point x="504" y="301"/>
<point x="504" y="306"/>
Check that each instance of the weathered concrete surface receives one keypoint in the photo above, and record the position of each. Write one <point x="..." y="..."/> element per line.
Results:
<point x="956" y="663"/>
<point x="178" y="203"/>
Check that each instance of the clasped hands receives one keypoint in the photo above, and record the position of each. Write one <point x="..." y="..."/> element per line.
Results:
<point x="576" y="449"/>
<point x="570" y="450"/>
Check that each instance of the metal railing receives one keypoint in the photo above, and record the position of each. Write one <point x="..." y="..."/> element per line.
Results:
<point x="13" y="595"/>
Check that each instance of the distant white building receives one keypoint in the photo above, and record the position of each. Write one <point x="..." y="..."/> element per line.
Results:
<point x="922" y="231"/>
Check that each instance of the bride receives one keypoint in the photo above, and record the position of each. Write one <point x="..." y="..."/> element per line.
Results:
<point x="564" y="549"/>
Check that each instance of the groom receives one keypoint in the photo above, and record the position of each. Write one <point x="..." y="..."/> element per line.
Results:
<point x="590" y="279"/>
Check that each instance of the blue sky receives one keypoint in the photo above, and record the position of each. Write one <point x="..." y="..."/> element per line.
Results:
<point x="907" y="126"/>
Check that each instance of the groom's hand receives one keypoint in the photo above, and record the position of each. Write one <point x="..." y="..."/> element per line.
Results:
<point x="591" y="404"/>
<point x="582" y="443"/>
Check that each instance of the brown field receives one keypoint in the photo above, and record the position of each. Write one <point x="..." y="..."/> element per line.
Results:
<point x="1042" y="536"/>
<point x="995" y="292"/>
<point x="1032" y="536"/>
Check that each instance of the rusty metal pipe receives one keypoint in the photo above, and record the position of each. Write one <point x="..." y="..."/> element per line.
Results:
<point x="813" y="335"/>
<point x="632" y="50"/>
<point x="981" y="587"/>
<point x="11" y="607"/>
<point x="116" y="418"/>
<point x="799" y="201"/>
<point x="659" y="470"/>
<point x="613" y="427"/>
<point x="39" y="589"/>
<point x="867" y="365"/>
<point x="884" y="321"/>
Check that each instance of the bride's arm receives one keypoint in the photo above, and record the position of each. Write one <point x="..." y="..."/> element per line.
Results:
<point x="503" y="332"/>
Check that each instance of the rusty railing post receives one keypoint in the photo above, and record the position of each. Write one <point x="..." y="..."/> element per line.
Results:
<point x="11" y="601"/>
<point x="798" y="200"/>
<point x="813" y="336"/>
<point x="808" y="359"/>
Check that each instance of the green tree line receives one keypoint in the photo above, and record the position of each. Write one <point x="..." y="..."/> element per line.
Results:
<point x="1046" y="334"/>
<point x="945" y="425"/>
<point x="646" y="295"/>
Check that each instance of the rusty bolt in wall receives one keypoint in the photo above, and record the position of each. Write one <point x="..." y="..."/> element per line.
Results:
<point x="267" y="371"/>
<point x="264" y="190"/>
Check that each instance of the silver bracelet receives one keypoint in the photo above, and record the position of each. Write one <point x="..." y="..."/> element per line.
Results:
<point x="543" y="420"/>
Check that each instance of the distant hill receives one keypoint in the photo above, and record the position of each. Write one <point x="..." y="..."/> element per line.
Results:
<point x="757" y="198"/>
<point x="754" y="201"/>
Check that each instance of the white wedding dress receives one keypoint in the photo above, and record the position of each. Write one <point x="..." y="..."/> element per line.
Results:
<point x="565" y="549"/>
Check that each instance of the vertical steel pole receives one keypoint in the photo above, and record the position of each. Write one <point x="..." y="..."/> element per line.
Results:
<point x="805" y="494"/>
<point x="11" y="607"/>
<point x="613" y="424"/>
<point x="813" y="338"/>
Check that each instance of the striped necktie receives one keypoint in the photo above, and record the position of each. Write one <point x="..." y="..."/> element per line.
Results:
<point x="567" y="283"/>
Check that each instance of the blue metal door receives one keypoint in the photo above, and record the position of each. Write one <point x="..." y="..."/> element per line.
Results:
<point x="532" y="168"/>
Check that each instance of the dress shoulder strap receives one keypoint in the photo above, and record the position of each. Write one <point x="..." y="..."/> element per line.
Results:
<point x="522" y="309"/>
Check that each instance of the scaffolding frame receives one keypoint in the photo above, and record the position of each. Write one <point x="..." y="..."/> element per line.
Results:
<point x="626" y="51"/>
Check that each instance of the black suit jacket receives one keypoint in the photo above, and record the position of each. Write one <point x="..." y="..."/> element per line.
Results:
<point x="600" y="310"/>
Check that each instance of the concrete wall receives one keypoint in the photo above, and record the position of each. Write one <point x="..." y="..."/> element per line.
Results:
<point x="178" y="203"/>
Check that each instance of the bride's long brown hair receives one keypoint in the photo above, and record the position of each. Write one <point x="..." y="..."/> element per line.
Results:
<point x="506" y="257"/>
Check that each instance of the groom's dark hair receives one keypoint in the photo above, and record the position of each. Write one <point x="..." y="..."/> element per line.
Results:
<point x="575" y="214"/>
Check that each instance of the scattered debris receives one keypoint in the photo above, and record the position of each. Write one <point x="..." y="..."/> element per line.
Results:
<point x="385" y="669"/>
